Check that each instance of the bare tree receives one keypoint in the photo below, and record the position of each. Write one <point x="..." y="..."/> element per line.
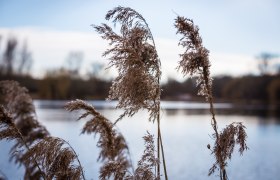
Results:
<point x="264" y="62"/>
<point x="96" y="70"/>
<point x="25" y="60"/>
<point x="9" y="55"/>
<point x="73" y="63"/>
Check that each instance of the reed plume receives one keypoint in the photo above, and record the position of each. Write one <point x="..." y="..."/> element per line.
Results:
<point x="43" y="156"/>
<point x="134" y="55"/>
<point x="55" y="158"/>
<point x="114" y="151"/>
<point x="195" y="61"/>
<point x="17" y="100"/>
<point x="223" y="148"/>
<point x="148" y="161"/>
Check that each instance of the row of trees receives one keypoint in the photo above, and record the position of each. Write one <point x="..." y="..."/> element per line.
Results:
<point x="67" y="82"/>
<point x="247" y="89"/>
<point x="60" y="84"/>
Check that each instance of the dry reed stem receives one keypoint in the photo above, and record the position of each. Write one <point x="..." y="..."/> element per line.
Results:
<point x="195" y="60"/>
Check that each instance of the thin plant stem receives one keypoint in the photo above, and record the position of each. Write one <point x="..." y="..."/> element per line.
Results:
<point x="158" y="146"/>
<point x="163" y="158"/>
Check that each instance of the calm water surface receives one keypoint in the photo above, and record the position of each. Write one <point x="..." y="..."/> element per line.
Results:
<point x="186" y="132"/>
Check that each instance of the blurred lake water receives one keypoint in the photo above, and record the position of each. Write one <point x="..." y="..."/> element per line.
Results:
<point x="186" y="131"/>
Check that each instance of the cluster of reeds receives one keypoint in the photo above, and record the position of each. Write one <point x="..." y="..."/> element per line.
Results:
<point x="48" y="157"/>
<point x="133" y="53"/>
<point x="114" y="151"/>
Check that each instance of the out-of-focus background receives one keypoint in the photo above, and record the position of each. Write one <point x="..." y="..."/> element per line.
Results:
<point x="51" y="48"/>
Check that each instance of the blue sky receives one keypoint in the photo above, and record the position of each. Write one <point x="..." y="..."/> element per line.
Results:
<point x="234" y="31"/>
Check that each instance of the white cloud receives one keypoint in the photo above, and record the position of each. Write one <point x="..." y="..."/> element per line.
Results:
<point x="233" y="64"/>
<point x="50" y="49"/>
<point x="221" y="63"/>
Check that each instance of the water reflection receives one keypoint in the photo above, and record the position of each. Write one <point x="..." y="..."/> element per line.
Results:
<point x="171" y="107"/>
<point x="186" y="133"/>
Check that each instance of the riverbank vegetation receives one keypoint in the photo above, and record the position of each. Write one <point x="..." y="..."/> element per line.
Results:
<point x="246" y="89"/>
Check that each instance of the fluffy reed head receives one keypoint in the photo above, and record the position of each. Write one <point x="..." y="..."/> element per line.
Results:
<point x="195" y="59"/>
<point x="43" y="156"/>
<point x="56" y="160"/>
<point x="24" y="123"/>
<point x="133" y="54"/>
<point x="114" y="150"/>
<point x="148" y="162"/>
<point x="7" y="129"/>
<point x="233" y="134"/>
<point x="19" y="103"/>
<point x="46" y="158"/>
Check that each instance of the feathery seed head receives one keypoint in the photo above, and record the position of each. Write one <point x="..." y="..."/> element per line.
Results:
<point x="114" y="150"/>
<point x="134" y="55"/>
<point x="195" y="60"/>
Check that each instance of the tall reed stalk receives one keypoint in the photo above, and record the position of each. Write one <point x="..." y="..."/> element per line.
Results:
<point x="195" y="61"/>
<point x="133" y="53"/>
